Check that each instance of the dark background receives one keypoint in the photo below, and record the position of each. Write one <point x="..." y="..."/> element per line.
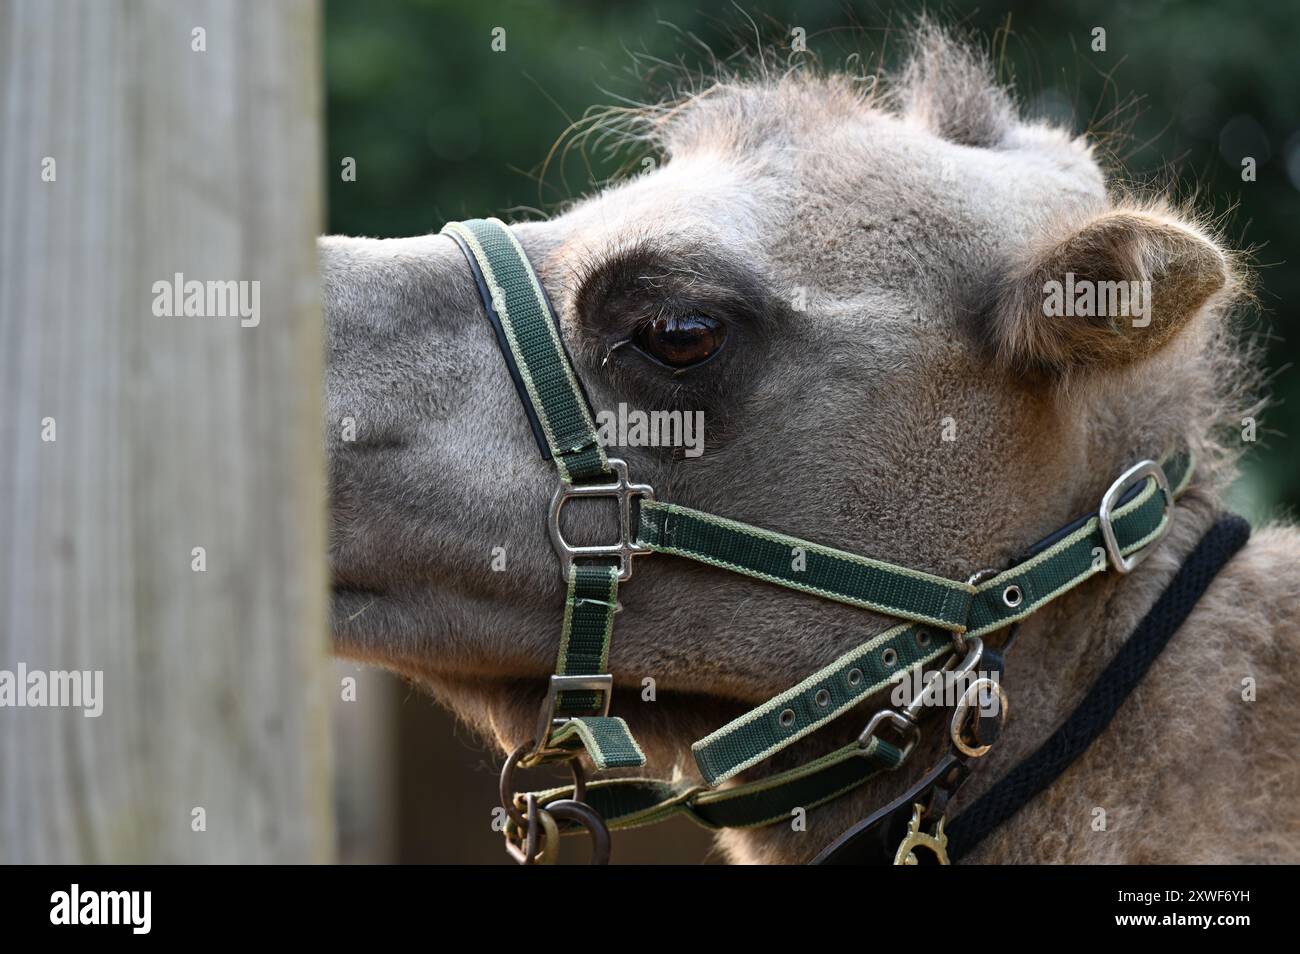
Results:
<point x="441" y="127"/>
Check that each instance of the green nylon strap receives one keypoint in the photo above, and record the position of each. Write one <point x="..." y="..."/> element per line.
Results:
<point x="1056" y="568"/>
<point x="588" y="630"/>
<point x="529" y="329"/>
<point x="589" y="607"/>
<point x="801" y="565"/>
<point x="1079" y="555"/>
<point x="633" y="802"/>
<point x="534" y="340"/>
<point x="606" y="740"/>
<point x="823" y="696"/>
<point x="833" y="690"/>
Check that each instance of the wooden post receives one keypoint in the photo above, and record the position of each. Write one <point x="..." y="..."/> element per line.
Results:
<point x="162" y="481"/>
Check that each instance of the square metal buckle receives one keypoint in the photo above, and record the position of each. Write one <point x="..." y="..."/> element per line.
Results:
<point x="621" y="489"/>
<point x="1105" y="513"/>
<point x="547" y="721"/>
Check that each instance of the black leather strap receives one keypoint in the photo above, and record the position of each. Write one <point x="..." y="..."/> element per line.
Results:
<point x="875" y="840"/>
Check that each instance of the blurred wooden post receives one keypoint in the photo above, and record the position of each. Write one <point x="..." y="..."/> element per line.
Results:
<point x="139" y="140"/>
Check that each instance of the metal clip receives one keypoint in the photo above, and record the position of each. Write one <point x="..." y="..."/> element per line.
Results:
<point x="527" y="850"/>
<point x="900" y="722"/>
<point x="936" y="844"/>
<point x="905" y="720"/>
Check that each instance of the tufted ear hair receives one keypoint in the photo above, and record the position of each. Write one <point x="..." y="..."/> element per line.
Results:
<point x="1112" y="292"/>
<point x="948" y="87"/>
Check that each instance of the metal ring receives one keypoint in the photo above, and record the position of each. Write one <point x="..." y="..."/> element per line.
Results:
<point x="550" y="852"/>
<point x="855" y="676"/>
<point x="889" y="657"/>
<point x="530" y="840"/>
<point x="959" y="716"/>
<point x="506" y="787"/>
<point x="786" y="718"/>
<point x="1013" y="596"/>
<point x="586" y="816"/>
<point x="822" y="698"/>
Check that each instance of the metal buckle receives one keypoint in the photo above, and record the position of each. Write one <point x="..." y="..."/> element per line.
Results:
<point x="626" y="548"/>
<point x="547" y="721"/>
<point x="1130" y="477"/>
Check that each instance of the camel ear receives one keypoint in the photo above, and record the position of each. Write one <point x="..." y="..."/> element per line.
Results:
<point x="1114" y="292"/>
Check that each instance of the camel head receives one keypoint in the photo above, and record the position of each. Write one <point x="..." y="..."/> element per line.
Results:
<point x="848" y="283"/>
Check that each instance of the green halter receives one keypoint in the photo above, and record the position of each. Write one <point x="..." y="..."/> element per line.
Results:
<point x="944" y="618"/>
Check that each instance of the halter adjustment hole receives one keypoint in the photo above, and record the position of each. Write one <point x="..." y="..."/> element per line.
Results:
<point x="855" y="677"/>
<point x="786" y="718"/>
<point x="889" y="657"/>
<point x="823" y="698"/>
<point x="923" y="639"/>
<point x="1013" y="596"/>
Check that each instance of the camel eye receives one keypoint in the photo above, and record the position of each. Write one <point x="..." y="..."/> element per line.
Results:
<point x="681" y="341"/>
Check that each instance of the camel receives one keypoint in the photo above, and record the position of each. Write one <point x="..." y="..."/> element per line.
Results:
<point x="873" y="257"/>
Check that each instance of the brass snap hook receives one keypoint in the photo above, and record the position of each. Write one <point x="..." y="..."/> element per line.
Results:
<point x="934" y="842"/>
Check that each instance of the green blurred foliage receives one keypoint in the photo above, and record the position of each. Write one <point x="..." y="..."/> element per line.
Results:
<point x="442" y="127"/>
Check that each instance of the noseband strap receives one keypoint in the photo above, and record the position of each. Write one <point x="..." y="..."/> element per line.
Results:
<point x="529" y="335"/>
<point x="575" y="716"/>
<point x="943" y="619"/>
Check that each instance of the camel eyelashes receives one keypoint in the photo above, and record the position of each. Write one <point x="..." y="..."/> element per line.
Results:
<point x="679" y="341"/>
<point x="674" y="306"/>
